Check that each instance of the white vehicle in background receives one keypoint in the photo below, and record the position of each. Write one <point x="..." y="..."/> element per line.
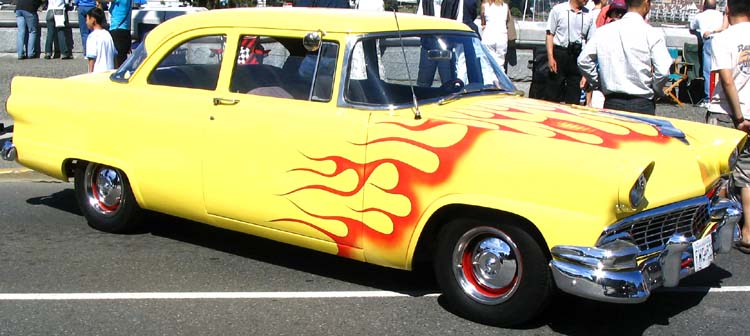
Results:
<point x="153" y="13"/>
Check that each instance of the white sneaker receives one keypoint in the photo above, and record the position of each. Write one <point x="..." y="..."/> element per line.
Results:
<point x="703" y="103"/>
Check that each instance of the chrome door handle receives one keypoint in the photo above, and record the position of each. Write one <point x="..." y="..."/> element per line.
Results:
<point x="224" y="101"/>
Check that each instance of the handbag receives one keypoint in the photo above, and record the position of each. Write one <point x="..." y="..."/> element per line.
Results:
<point x="59" y="17"/>
<point x="510" y="24"/>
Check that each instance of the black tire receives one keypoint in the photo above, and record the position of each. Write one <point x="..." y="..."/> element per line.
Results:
<point x="105" y="198"/>
<point x="505" y="293"/>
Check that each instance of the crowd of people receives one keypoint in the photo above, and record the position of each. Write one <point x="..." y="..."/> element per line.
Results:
<point x="497" y="25"/>
<point x="106" y="45"/>
<point x="626" y="58"/>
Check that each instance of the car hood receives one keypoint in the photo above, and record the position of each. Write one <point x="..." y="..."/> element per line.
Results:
<point x="683" y="158"/>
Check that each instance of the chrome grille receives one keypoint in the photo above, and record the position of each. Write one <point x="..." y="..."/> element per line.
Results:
<point x="652" y="229"/>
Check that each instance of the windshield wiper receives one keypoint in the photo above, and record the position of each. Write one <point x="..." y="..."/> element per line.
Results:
<point x="453" y="96"/>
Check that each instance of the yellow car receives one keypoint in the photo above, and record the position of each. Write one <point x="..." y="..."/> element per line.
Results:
<point x="391" y="139"/>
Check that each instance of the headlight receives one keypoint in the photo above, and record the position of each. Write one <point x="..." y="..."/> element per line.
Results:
<point x="733" y="159"/>
<point x="638" y="191"/>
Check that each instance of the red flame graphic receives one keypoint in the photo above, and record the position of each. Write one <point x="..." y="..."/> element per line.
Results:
<point x="411" y="178"/>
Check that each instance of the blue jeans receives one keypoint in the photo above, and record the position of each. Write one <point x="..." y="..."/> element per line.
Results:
<point x="82" y="10"/>
<point x="28" y="34"/>
<point x="707" y="51"/>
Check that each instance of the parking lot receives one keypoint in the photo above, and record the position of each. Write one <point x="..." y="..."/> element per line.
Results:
<point x="58" y="276"/>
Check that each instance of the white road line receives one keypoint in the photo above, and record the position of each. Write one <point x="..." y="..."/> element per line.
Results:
<point x="727" y="289"/>
<point x="282" y="295"/>
<point x="206" y="295"/>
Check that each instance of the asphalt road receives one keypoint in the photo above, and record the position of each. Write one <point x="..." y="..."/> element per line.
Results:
<point x="258" y="287"/>
<point x="274" y="289"/>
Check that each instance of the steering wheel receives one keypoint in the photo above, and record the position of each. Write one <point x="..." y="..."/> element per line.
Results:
<point x="453" y="85"/>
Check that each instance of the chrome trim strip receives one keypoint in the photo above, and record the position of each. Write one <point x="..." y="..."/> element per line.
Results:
<point x="664" y="126"/>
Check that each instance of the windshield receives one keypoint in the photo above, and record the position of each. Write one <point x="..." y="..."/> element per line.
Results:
<point x="131" y="64"/>
<point x="437" y="65"/>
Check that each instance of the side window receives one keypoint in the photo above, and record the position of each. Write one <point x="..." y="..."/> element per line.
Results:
<point x="326" y="72"/>
<point x="281" y="67"/>
<point x="193" y="64"/>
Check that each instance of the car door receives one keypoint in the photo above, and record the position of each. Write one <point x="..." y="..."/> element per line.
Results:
<point x="283" y="156"/>
<point x="166" y="105"/>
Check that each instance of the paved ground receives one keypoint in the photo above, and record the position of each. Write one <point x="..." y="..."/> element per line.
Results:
<point x="184" y="278"/>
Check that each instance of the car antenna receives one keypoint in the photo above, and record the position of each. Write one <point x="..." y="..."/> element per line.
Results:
<point x="417" y="114"/>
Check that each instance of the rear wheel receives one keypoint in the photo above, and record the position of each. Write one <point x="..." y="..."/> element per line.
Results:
<point x="491" y="273"/>
<point x="105" y="198"/>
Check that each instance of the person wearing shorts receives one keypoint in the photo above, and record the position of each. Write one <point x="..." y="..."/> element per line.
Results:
<point x="731" y="100"/>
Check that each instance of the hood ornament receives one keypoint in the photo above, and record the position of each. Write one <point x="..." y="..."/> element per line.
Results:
<point x="665" y="127"/>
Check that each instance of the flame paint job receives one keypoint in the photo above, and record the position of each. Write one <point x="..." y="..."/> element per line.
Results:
<point x="389" y="227"/>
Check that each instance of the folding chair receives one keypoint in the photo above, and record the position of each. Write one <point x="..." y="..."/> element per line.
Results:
<point x="677" y="76"/>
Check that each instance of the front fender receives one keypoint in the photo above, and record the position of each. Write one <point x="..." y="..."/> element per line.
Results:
<point x="558" y="226"/>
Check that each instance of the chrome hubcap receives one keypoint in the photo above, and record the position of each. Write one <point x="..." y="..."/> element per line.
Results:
<point x="103" y="189"/>
<point x="493" y="264"/>
<point x="487" y="265"/>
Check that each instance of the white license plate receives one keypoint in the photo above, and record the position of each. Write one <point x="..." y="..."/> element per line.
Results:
<point x="703" y="253"/>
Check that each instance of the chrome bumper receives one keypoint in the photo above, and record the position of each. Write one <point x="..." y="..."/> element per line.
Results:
<point x="8" y="151"/>
<point x="612" y="272"/>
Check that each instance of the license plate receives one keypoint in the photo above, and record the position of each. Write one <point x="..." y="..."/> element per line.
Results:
<point x="703" y="253"/>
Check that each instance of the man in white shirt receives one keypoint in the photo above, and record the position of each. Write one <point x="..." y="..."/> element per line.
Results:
<point x="568" y="28"/>
<point x="369" y="5"/>
<point x="707" y="23"/>
<point x="625" y="52"/>
<point x="731" y="60"/>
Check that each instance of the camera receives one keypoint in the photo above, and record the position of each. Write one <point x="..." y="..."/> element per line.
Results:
<point x="574" y="48"/>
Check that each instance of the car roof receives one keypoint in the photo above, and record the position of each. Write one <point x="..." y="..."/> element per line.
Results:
<point x="305" y="19"/>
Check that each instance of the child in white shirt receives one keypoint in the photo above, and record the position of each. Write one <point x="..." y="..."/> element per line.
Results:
<point x="100" y="49"/>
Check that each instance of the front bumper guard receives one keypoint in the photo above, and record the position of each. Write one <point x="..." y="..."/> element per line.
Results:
<point x="8" y="151"/>
<point x="612" y="272"/>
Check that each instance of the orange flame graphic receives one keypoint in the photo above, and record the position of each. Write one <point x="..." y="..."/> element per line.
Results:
<point x="557" y="122"/>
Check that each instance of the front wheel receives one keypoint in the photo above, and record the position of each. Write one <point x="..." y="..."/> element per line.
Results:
<point x="491" y="273"/>
<point x="105" y="198"/>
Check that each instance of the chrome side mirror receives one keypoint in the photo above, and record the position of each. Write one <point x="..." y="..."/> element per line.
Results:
<point x="313" y="40"/>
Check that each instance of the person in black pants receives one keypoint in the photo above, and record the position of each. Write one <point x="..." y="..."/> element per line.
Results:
<point x="119" y="27"/>
<point x="568" y="27"/>
<point x="58" y="31"/>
